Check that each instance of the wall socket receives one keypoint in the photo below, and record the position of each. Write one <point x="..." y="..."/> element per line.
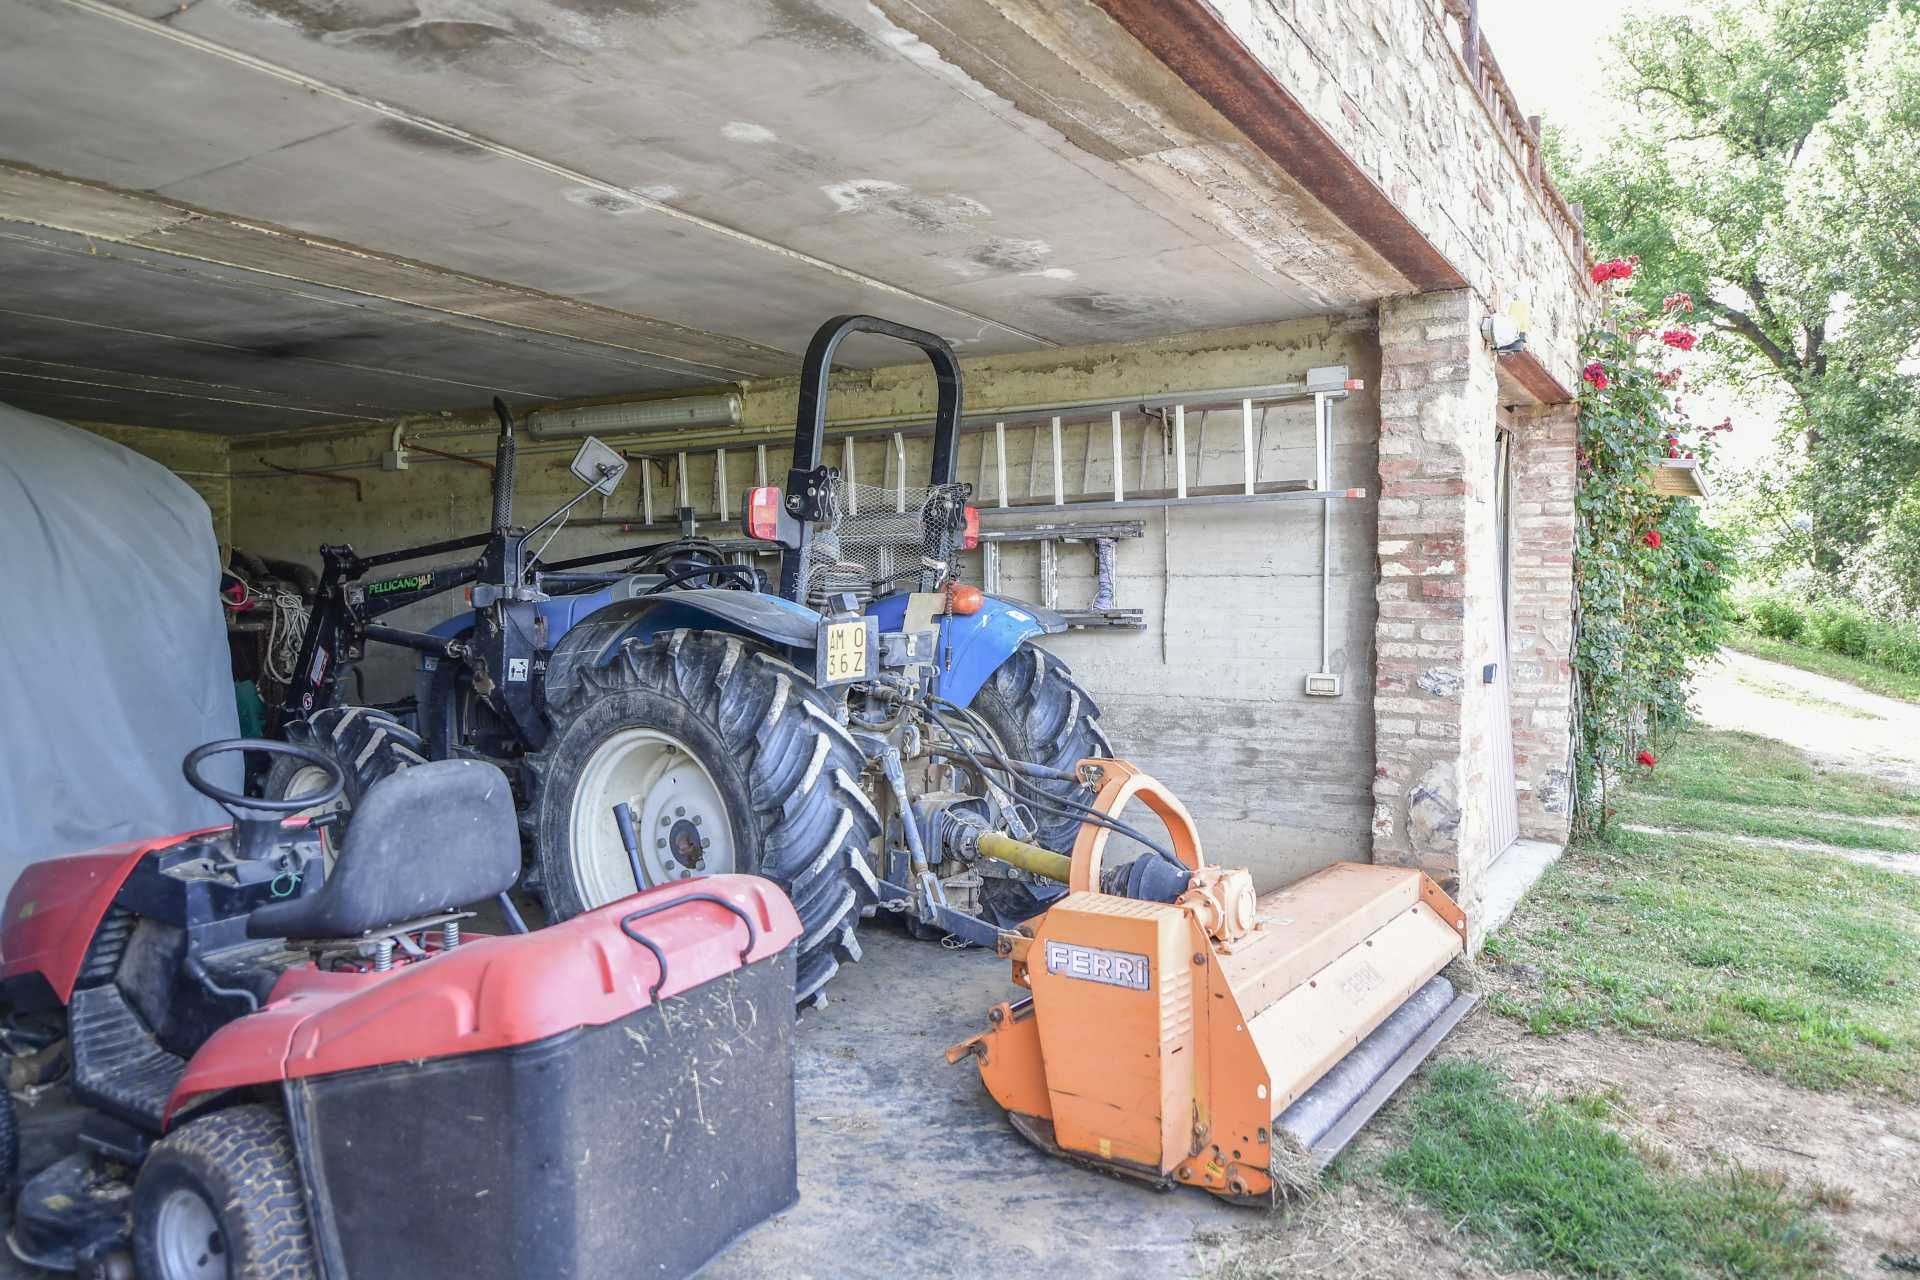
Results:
<point x="1323" y="684"/>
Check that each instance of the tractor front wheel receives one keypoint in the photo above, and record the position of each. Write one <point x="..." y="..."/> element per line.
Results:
<point x="730" y="761"/>
<point x="369" y="744"/>
<point x="220" y="1199"/>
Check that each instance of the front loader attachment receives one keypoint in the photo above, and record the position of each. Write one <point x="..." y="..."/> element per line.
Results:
<point x="1219" y="1040"/>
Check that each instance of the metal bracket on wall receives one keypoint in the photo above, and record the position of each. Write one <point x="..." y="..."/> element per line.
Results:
<point x="1100" y="537"/>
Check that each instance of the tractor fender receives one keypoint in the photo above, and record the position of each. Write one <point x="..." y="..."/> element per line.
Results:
<point x="972" y="646"/>
<point x="596" y="638"/>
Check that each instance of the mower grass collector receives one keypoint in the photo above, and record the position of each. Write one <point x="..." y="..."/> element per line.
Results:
<point x="291" y="1078"/>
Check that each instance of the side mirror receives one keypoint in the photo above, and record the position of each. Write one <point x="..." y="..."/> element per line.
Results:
<point x="598" y="467"/>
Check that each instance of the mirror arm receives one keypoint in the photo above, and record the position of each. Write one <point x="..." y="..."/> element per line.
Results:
<point x="521" y="570"/>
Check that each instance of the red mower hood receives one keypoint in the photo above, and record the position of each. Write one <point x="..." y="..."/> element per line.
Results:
<point x="494" y="992"/>
<point x="57" y="904"/>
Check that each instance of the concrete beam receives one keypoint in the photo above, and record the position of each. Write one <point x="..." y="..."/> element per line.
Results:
<point x="1190" y="38"/>
<point x="172" y="227"/>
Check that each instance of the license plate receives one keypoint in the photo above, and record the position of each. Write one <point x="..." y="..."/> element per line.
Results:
<point x="847" y="651"/>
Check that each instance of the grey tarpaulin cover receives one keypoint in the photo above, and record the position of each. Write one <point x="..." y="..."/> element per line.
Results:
<point x="113" y="653"/>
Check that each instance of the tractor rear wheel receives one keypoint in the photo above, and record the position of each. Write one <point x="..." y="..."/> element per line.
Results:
<point x="731" y="761"/>
<point x="219" y="1199"/>
<point x="369" y="745"/>
<point x="1041" y="715"/>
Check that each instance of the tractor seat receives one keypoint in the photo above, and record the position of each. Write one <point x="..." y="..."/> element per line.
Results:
<point x="424" y="841"/>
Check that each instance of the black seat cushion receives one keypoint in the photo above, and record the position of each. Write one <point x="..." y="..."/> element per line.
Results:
<point x="425" y="840"/>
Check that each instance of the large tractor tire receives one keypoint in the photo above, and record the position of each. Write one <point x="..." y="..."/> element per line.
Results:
<point x="1042" y="715"/>
<point x="731" y="761"/>
<point x="369" y="745"/>
<point x="219" y="1199"/>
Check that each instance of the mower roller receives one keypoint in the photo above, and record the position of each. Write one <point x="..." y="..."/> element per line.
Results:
<point x="1183" y="1031"/>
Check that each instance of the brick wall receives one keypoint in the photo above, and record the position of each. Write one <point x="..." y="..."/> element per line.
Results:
<point x="1541" y="617"/>
<point x="1381" y="77"/>
<point x="1438" y="591"/>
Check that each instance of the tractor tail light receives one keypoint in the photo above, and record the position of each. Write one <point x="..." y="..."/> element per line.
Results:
<point x="763" y="513"/>
<point x="971" y="538"/>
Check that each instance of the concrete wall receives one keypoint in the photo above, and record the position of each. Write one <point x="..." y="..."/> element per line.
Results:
<point x="1209" y="697"/>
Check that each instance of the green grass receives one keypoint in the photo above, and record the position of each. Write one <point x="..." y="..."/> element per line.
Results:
<point x="1804" y="964"/>
<point x="1711" y="816"/>
<point x="1555" y="1188"/>
<point x="1748" y="770"/>
<point x="1869" y="676"/>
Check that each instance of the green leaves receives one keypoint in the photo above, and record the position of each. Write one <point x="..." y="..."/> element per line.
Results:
<point x="1767" y="161"/>
<point x="1648" y="612"/>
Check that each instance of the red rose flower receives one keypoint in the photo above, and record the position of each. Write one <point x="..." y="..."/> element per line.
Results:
<point x="1652" y="539"/>
<point x="1646" y="759"/>
<point x="1596" y="375"/>
<point x="1677" y="302"/>
<point x="1682" y="339"/>
<point x="1672" y="452"/>
<point x="1616" y="269"/>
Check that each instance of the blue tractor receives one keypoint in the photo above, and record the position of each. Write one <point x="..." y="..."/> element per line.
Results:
<point x="849" y="735"/>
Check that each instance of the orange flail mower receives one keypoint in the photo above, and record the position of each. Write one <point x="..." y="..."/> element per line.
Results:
<point x="1217" y="1039"/>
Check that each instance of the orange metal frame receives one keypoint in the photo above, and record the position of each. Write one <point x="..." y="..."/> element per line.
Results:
<point x="1178" y="1080"/>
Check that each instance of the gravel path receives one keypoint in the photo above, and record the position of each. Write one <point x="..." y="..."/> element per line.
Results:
<point x="1832" y="721"/>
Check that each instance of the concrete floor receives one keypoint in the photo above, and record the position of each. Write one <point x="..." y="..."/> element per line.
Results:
<point x="906" y="1166"/>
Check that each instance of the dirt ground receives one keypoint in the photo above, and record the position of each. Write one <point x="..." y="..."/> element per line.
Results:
<point x="1687" y="1107"/>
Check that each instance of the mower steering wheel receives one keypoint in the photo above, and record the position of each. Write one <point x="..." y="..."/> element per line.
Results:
<point x="241" y="805"/>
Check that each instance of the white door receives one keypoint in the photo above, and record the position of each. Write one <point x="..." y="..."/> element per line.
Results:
<point x="1503" y="808"/>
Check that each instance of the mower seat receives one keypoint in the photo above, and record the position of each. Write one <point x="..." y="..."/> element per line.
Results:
<point x="424" y="841"/>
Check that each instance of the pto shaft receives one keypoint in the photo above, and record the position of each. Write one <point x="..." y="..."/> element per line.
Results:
<point x="1031" y="858"/>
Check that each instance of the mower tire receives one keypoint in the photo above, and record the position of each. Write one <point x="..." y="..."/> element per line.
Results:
<point x="768" y="776"/>
<point x="368" y="744"/>
<point x="223" y="1187"/>
<point x="1041" y="715"/>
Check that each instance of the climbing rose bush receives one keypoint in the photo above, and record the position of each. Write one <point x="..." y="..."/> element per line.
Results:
<point x="1651" y="578"/>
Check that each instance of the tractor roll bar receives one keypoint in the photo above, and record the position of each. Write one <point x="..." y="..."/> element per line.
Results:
<point x="810" y="431"/>
<point x="805" y="491"/>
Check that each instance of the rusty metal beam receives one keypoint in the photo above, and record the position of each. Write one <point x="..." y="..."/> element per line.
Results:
<point x="1532" y="377"/>
<point x="1191" y="40"/>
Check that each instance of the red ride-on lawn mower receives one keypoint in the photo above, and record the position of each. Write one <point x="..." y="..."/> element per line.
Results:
<point x="293" y="1071"/>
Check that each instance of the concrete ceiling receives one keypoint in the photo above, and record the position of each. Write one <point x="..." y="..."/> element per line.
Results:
<point x="239" y="215"/>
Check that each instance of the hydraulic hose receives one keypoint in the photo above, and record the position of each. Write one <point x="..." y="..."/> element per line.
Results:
<point x="198" y="969"/>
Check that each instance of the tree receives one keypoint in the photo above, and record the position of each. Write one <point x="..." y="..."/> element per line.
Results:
<point x="1769" y="167"/>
